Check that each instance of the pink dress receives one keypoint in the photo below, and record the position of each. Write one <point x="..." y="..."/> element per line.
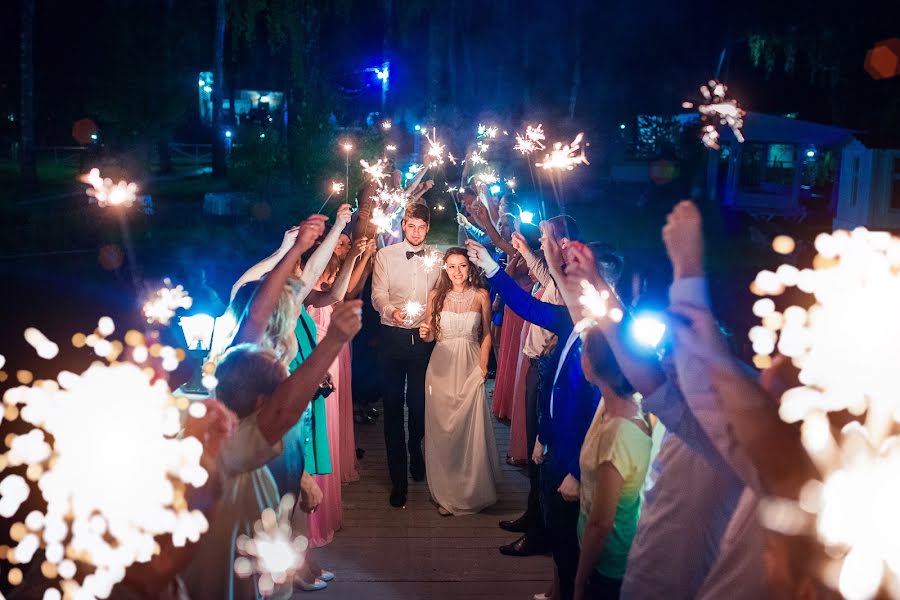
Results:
<point x="507" y="361"/>
<point x="518" y="445"/>
<point x="349" y="466"/>
<point x="328" y="517"/>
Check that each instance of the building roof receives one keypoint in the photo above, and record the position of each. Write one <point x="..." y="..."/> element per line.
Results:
<point x="760" y="127"/>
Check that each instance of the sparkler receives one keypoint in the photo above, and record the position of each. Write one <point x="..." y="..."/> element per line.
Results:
<point x="412" y="310"/>
<point x="106" y="192"/>
<point x="110" y="423"/>
<point x="376" y="170"/>
<point x="487" y="177"/>
<point x="383" y="220"/>
<point x="273" y="553"/>
<point x="435" y="150"/>
<point x="565" y="157"/>
<point x="477" y="159"/>
<point x="451" y="158"/>
<point x="717" y="108"/>
<point x="845" y="346"/>
<point x="336" y="188"/>
<point x="533" y="140"/>
<point x="161" y="307"/>
<point x="431" y="259"/>
<point x="487" y="131"/>
<point x="595" y="307"/>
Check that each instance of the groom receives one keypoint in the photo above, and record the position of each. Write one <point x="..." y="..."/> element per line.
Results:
<point x="400" y="286"/>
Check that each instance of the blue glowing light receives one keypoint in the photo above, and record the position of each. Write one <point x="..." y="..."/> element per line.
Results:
<point x="383" y="74"/>
<point x="648" y="330"/>
<point x="201" y="83"/>
<point x="811" y="153"/>
<point x="526" y="216"/>
<point x="228" y="133"/>
<point x="418" y="127"/>
<point x="621" y="125"/>
<point x="495" y="189"/>
<point x="94" y="136"/>
<point x="207" y="89"/>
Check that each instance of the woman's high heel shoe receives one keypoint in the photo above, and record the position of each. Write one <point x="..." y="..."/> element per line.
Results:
<point x="315" y="586"/>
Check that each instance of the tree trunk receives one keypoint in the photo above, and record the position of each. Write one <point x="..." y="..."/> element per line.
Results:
<point x="27" y="158"/>
<point x="219" y="165"/>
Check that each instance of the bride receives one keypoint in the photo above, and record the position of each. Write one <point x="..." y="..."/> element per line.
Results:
<point x="460" y="451"/>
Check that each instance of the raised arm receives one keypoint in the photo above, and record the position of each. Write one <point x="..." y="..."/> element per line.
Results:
<point x="482" y="219"/>
<point x="292" y="397"/>
<point x="536" y="265"/>
<point x="316" y="263"/>
<point x="361" y="271"/>
<point x="253" y="322"/>
<point x="549" y="316"/>
<point x="338" y="290"/>
<point x="642" y="371"/>
<point x="259" y="270"/>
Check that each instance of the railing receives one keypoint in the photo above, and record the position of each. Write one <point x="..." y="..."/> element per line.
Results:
<point x="194" y="154"/>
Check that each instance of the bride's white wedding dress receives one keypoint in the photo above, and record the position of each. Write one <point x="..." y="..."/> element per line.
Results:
<point x="460" y="451"/>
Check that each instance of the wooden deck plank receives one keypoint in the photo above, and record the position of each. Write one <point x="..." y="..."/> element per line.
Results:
<point x="414" y="553"/>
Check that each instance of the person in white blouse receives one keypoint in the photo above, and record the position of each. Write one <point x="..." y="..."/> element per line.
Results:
<point x="401" y="281"/>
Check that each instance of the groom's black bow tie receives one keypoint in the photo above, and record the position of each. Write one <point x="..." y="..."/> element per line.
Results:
<point x="420" y="254"/>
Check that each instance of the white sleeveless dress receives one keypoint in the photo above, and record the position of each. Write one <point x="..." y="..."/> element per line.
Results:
<point x="460" y="450"/>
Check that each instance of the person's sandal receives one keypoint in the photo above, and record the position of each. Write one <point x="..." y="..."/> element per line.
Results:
<point x="444" y="512"/>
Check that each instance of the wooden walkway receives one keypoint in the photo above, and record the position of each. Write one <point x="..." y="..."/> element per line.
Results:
<point x="415" y="554"/>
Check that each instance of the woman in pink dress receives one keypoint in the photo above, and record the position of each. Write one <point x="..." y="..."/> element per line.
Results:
<point x="510" y="346"/>
<point x="328" y="517"/>
<point x="349" y="468"/>
<point x="517" y="453"/>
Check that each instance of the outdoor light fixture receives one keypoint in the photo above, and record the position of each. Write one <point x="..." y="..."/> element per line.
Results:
<point x="418" y="127"/>
<point x="526" y="216"/>
<point x="94" y="136"/>
<point x="228" y="133"/>
<point x="198" y="335"/>
<point x="810" y="153"/>
<point x="621" y="125"/>
<point x="207" y="89"/>
<point x="648" y="330"/>
<point x="495" y="189"/>
<point x="201" y="83"/>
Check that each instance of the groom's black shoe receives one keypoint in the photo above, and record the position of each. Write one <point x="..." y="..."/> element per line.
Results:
<point x="519" y="525"/>
<point x="398" y="497"/>
<point x="524" y="546"/>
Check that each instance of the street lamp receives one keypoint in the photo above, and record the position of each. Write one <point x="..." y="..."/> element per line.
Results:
<point x="198" y="334"/>
<point x="347" y="146"/>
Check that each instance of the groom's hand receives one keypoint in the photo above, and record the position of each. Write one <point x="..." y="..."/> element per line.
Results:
<point x="569" y="488"/>
<point x="398" y="317"/>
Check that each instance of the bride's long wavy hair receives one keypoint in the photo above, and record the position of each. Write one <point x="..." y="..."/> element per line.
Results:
<point x="444" y="285"/>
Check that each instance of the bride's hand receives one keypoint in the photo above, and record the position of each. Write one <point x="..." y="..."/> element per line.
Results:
<point x="484" y="372"/>
<point x="424" y="331"/>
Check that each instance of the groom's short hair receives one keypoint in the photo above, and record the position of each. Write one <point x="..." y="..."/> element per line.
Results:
<point x="418" y="211"/>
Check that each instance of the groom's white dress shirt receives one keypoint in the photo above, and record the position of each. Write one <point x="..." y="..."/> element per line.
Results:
<point x="397" y="279"/>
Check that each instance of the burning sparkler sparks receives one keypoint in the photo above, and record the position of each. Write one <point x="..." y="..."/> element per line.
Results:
<point x="476" y="159"/>
<point x="487" y="131"/>
<point x="435" y="152"/>
<point x="431" y="259"/>
<point x="108" y="193"/>
<point x="845" y="346"/>
<point x="111" y="423"/>
<point x="383" y="220"/>
<point x="487" y="177"/>
<point x="565" y="157"/>
<point x="273" y="553"/>
<point x="376" y="170"/>
<point x="595" y="307"/>
<point x="161" y="307"/>
<point x="337" y="187"/>
<point x="533" y="140"/>
<point x="412" y="310"/>
<point x="717" y="108"/>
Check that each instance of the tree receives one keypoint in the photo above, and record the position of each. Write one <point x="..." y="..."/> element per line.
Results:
<point x="27" y="158"/>
<point x="218" y="87"/>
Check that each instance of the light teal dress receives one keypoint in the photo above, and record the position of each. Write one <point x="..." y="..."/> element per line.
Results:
<point x="306" y="443"/>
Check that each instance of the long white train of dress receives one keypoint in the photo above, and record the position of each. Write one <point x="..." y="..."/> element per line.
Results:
<point x="460" y="450"/>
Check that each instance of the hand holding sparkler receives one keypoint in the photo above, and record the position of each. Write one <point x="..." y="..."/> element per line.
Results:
<point x="344" y="214"/>
<point x="346" y="321"/>
<point x="683" y="237"/>
<point x="521" y="245"/>
<point x="481" y="258"/>
<point x="359" y="248"/>
<point x="311" y="495"/>
<point x="310" y="231"/>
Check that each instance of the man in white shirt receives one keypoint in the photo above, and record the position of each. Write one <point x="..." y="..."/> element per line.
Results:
<point x="400" y="286"/>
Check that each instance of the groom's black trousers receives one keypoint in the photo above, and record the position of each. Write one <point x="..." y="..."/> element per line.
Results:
<point x="403" y="358"/>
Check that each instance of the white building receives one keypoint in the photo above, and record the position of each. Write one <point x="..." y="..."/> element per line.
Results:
<point x="869" y="190"/>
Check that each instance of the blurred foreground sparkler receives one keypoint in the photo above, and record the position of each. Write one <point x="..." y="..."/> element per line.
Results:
<point x="273" y="553"/>
<point x="104" y="454"/>
<point x="108" y="193"/>
<point x="435" y="153"/>
<point x="845" y="346"/>
<point x="595" y="307"/>
<point x="376" y="170"/>
<point x="718" y="109"/>
<point x="161" y="307"/>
